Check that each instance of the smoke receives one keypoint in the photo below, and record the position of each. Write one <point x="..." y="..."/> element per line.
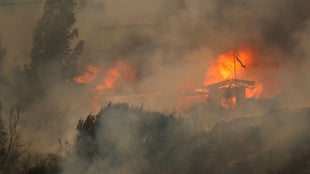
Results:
<point x="131" y="140"/>
<point x="170" y="44"/>
<point x="17" y="23"/>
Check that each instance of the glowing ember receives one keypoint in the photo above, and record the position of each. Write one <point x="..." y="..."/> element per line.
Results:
<point x="200" y="90"/>
<point x="254" y="93"/>
<point x="89" y="76"/>
<point x="229" y="103"/>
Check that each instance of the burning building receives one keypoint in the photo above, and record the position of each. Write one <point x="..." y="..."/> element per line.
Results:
<point x="229" y="93"/>
<point x="222" y="85"/>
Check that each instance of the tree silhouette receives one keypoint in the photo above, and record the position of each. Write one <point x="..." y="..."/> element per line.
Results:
<point x="3" y="137"/>
<point x="52" y="52"/>
<point x="121" y="132"/>
<point x="2" y="54"/>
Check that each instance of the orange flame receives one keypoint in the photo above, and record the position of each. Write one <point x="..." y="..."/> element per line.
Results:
<point x="223" y="67"/>
<point x="89" y="76"/>
<point x="229" y="103"/>
<point x="254" y="93"/>
<point x="120" y="71"/>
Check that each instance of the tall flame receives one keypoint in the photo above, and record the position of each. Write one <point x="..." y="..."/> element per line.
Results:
<point x="225" y="66"/>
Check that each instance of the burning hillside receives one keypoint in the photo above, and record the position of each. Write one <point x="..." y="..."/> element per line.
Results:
<point x="224" y="71"/>
<point x="118" y="73"/>
<point x="90" y="74"/>
<point x="105" y="81"/>
<point x="103" y="77"/>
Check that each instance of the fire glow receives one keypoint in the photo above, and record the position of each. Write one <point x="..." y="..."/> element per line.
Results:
<point x="229" y="66"/>
<point x="102" y="81"/>
<point x="223" y="66"/>
<point x="120" y="71"/>
<point x="88" y="76"/>
<point x="226" y="66"/>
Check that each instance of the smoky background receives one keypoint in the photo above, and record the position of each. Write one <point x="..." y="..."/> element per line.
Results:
<point x="170" y="44"/>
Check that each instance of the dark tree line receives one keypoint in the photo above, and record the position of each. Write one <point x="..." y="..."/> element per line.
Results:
<point x="125" y="138"/>
<point x="165" y="143"/>
<point x="122" y="137"/>
<point x="120" y="132"/>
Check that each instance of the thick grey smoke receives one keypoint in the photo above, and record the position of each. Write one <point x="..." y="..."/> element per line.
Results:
<point x="162" y="33"/>
<point x="170" y="44"/>
<point x="17" y="23"/>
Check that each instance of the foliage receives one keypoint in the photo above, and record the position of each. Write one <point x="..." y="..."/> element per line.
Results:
<point x="48" y="164"/>
<point x="130" y="138"/>
<point x="122" y="138"/>
<point x="15" y="156"/>
<point x="3" y="136"/>
<point x="12" y="148"/>
<point x="52" y="39"/>
<point x="122" y="132"/>
<point x="54" y="54"/>
<point x="2" y="54"/>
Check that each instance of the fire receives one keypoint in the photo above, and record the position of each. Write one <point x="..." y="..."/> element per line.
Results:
<point x="223" y="67"/>
<point x="254" y="93"/>
<point x="89" y="76"/>
<point x="101" y="80"/>
<point x="229" y="103"/>
<point x="229" y="68"/>
<point x="120" y="71"/>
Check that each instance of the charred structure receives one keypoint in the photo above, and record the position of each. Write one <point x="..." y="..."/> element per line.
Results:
<point x="229" y="92"/>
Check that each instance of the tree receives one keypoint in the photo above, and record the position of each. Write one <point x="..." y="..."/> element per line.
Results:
<point x="3" y="137"/>
<point x="11" y="147"/>
<point x="47" y="164"/>
<point x="52" y="53"/>
<point x="2" y="54"/>
<point x="86" y="138"/>
<point x="119" y="132"/>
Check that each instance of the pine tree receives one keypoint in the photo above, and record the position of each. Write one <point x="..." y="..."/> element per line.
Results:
<point x="52" y="53"/>
<point x="2" y="54"/>
<point x="3" y="137"/>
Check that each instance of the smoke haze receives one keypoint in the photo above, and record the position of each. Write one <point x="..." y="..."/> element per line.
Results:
<point x="170" y="44"/>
